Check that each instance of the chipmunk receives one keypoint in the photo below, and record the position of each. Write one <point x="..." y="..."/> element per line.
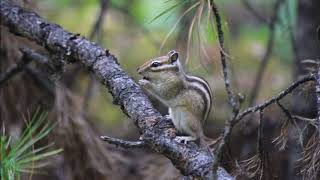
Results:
<point x="188" y="97"/>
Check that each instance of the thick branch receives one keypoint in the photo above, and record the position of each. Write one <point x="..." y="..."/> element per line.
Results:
<point x="189" y="159"/>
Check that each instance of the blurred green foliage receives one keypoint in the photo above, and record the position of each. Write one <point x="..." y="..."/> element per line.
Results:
<point x="126" y="35"/>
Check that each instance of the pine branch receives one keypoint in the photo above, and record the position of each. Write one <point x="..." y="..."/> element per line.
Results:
<point x="281" y="95"/>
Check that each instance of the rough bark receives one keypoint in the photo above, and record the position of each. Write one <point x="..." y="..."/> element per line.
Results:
<point x="189" y="159"/>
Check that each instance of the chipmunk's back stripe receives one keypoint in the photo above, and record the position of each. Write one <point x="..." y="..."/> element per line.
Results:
<point x="202" y="87"/>
<point x="203" y="82"/>
<point x="205" y="99"/>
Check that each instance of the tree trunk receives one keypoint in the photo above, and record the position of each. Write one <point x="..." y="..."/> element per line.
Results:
<point x="306" y="46"/>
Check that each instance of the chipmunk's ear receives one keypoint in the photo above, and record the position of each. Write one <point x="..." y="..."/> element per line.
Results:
<point x="174" y="55"/>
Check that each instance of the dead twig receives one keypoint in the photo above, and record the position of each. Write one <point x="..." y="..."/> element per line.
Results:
<point x="123" y="143"/>
<point x="310" y="161"/>
<point x="282" y="140"/>
<point x="281" y="95"/>
<point x="259" y="164"/>
<point x="15" y="69"/>
<point x="237" y="118"/>
<point x="96" y="29"/>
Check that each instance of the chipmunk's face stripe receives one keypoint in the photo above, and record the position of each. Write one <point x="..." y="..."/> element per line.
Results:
<point x="148" y="65"/>
<point x="163" y="63"/>
<point x="165" y="67"/>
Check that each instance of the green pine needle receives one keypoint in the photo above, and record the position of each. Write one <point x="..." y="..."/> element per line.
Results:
<point x="169" y="9"/>
<point x="21" y="157"/>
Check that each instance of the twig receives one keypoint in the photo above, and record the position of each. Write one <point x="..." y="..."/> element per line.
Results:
<point x="237" y="118"/>
<point x="123" y="143"/>
<point x="260" y="146"/>
<point x="286" y="112"/>
<point x="14" y="70"/>
<point x="232" y="100"/>
<point x="281" y="95"/>
<point x="28" y="55"/>
<point x="91" y="87"/>
<point x="267" y="55"/>
<point x="40" y="80"/>
<point x="100" y="19"/>
<point x="254" y="12"/>
<point x="284" y="128"/>
<point x="309" y="120"/>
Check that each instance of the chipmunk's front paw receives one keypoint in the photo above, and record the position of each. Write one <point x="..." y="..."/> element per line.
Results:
<point x="184" y="139"/>
<point x="171" y="132"/>
<point x="144" y="83"/>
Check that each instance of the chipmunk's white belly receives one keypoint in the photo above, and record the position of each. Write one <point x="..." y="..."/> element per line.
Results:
<point x="179" y="119"/>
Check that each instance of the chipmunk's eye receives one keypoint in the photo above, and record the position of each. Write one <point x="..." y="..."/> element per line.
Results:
<point x="155" y="64"/>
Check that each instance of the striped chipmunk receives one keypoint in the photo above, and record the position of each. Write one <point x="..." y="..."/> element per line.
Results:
<point x="187" y="97"/>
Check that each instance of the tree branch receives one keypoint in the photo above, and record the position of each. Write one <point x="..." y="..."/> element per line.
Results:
<point x="14" y="70"/>
<point x="95" y="31"/>
<point x="234" y="103"/>
<point x="123" y="143"/>
<point x="232" y="100"/>
<point x="189" y="159"/>
<point x="281" y="95"/>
